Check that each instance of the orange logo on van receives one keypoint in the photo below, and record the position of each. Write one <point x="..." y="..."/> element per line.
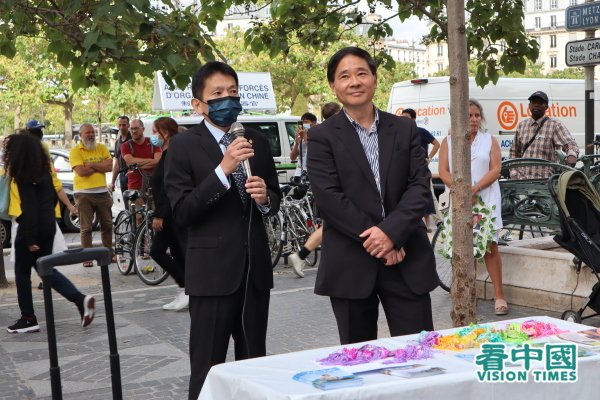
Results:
<point x="507" y="115"/>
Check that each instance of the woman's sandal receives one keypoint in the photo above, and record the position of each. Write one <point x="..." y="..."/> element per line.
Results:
<point x="501" y="307"/>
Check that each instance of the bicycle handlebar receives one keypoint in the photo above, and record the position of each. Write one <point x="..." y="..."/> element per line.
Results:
<point x="132" y="167"/>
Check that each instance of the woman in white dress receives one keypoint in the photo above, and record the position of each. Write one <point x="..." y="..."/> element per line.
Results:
<point x="486" y="160"/>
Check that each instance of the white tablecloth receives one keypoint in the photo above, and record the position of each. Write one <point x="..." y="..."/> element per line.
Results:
<point x="270" y="378"/>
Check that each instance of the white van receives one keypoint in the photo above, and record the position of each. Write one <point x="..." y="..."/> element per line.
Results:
<point x="279" y="129"/>
<point x="504" y="105"/>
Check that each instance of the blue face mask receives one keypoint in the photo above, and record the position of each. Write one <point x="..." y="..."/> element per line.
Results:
<point x="306" y="126"/>
<point x="157" y="141"/>
<point x="224" y="111"/>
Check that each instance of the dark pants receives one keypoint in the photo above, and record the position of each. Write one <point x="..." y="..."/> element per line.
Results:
<point x="406" y="312"/>
<point x="24" y="260"/>
<point x="168" y="238"/>
<point x="123" y="181"/>
<point x="214" y="319"/>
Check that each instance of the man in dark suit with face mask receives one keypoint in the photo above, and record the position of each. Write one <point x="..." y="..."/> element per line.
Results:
<point x="228" y="272"/>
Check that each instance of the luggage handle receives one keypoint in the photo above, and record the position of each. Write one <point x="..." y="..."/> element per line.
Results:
<point x="73" y="256"/>
<point x="45" y="267"/>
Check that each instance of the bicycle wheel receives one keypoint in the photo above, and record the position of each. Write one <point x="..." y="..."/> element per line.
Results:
<point x="275" y="236"/>
<point x="311" y="227"/>
<point x="442" y="264"/>
<point x="299" y="228"/>
<point x="124" y="240"/>
<point x="147" y="269"/>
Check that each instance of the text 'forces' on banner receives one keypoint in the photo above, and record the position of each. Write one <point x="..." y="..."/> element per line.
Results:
<point x="256" y="93"/>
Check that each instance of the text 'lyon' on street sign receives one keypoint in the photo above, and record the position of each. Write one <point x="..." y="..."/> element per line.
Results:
<point x="583" y="16"/>
<point x="582" y="52"/>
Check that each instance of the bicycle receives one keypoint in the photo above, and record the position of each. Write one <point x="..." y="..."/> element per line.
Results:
<point x="288" y="230"/>
<point x="132" y="241"/>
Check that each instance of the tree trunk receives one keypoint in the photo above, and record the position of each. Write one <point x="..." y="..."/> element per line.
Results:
<point x="3" y="281"/>
<point x="68" y="107"/>
<point x="17" y="119"/>
<point x="463" y="282"/>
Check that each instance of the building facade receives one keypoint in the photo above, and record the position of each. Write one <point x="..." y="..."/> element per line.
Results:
<point x="544" y="21"/>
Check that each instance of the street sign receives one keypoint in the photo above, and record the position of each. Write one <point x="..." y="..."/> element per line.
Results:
<point x="583" y="16"/>
<point x="582" y="52"/>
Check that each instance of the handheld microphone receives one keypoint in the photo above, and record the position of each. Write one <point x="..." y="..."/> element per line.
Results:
<point x="238" y="130"/>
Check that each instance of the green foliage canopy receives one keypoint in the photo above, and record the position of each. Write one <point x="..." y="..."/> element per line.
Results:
<point x="495" y="33"/>
<point x="100" y="40"/>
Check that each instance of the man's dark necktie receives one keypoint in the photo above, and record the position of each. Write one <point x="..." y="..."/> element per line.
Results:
<point x="239" y="175"/>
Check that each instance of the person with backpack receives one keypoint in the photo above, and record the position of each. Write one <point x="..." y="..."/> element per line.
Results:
<point x="139" y="150"/>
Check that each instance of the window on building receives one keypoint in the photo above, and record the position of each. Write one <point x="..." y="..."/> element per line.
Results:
<point x="573" y="2"/>
<point x="229" y="26"/>
<point x="553" y="41"/>
<point x="553" y="62"/>
<point x="538" y="22"/>
<point x="553" y="3"/>
<point x="553" y="21"/>
<point x="502" y="45"/>
<point x="440" y="67"/>
<point x="440" y="50"/>
<point x="537" y="5"/>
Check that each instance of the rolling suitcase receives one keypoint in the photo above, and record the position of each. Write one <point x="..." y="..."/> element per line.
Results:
<point x="45" y="267"/>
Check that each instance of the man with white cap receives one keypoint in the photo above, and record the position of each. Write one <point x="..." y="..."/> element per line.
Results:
<point x="539" y="137"/>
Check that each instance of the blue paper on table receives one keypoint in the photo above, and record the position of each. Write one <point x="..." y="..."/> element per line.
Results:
<point x="330" y="378"/>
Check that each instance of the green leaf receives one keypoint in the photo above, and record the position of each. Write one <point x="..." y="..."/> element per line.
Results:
<point x="91" y="38"/>
<point x="78" y="79"/>
<point x="7" y="48"/>
<point x="107" y="42"/>
<point x="175" y="60"/>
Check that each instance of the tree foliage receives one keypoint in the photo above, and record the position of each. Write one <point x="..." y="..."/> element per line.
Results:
<point x="301" y="73"/>
<point x="101" y="40"/>
<point x="492" y="25"/>
<point x="35" y="86"/>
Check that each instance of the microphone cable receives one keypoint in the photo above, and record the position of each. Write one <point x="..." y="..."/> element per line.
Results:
<point x="249" y="258"/>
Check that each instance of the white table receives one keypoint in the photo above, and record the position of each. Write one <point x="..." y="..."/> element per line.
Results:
<point x="270" y="378"/>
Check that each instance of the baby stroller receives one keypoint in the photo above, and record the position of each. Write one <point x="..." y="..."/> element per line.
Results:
<point x="579" y="210"/>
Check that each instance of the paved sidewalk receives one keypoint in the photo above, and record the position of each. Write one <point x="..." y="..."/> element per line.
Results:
<point x="153" y="343"/>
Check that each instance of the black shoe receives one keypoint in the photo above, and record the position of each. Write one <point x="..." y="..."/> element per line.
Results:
<point x="23" y="325"/>
<point x="41" y="285"/>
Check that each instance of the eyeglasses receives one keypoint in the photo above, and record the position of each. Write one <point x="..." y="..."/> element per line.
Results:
<point x="135" y="128"/>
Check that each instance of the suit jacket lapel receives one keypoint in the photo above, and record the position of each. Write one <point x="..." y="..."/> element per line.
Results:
<point x="348" y="135"/>
<point x="386" y="135"/>
<point x="210" y="145"/>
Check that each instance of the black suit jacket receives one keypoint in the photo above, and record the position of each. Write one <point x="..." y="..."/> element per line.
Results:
<point x="348" y="199"/>
<point x="217" y="226"/>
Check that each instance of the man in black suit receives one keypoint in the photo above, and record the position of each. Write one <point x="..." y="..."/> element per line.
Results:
<point x="228" y="272"/>
<point x="371" y="182"/>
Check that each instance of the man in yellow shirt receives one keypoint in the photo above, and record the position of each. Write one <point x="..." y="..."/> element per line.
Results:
<point x="91" y="161"/>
